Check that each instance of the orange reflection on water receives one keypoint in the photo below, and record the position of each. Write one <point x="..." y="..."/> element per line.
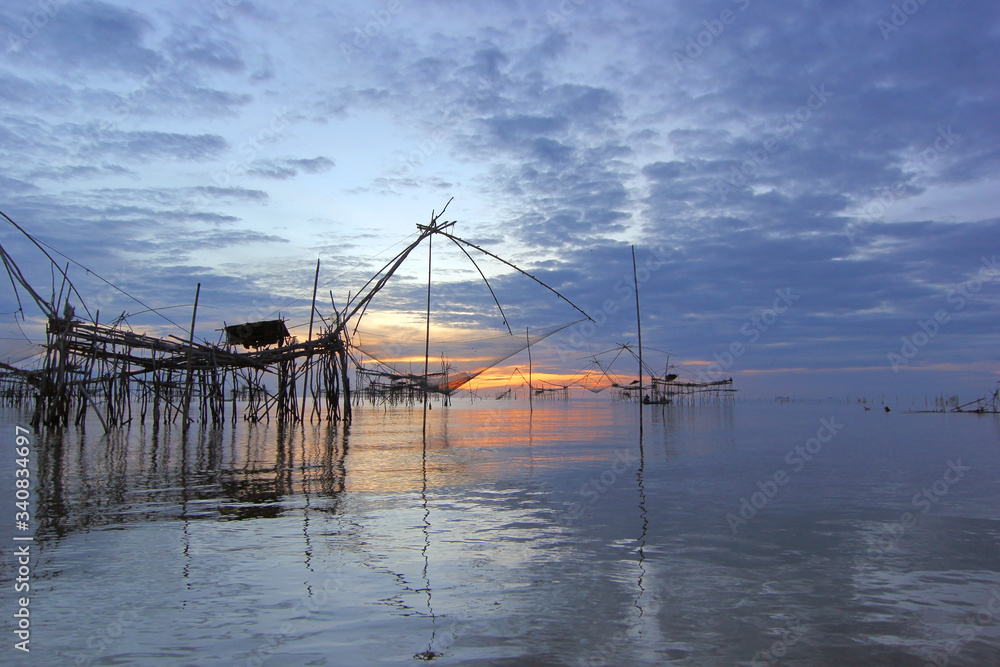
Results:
<point x="477" y="441"/>
<point x="253" y="471"/>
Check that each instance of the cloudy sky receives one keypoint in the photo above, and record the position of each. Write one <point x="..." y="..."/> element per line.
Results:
<point x="806" y="185"/>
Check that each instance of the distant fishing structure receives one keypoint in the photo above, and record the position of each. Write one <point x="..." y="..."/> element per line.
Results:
<point x="255" y="369"/>
<point x="989" y="404"/>
<point x="666" y="389"/>
<point x="984" y="405"/>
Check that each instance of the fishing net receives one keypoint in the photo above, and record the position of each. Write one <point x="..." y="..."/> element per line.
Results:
<point x="398" y="361"/>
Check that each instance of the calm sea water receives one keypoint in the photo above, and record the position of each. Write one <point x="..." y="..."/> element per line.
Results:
<point x="755" y="534"/>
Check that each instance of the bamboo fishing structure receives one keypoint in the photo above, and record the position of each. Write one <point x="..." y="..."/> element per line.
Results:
<point x="121" y="375"/>
<point x="669" y="390"/>
<point x="89" y="365"/>
<point x="989" y="404"/>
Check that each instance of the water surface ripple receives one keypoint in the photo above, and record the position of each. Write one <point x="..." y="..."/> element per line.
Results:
<point x="757" y="534"/>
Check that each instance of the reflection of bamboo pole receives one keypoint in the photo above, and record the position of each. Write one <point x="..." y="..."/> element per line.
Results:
<point x="312" y="314"/>
<point x="187" y="386"/>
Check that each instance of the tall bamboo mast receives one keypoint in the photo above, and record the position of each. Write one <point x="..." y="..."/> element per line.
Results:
<point x="312" y="316"/>
<point x="531" y="387"/>
<point x="427" y="338"/>
<point x="638" y="320"/>
<point x="190" y="377"/>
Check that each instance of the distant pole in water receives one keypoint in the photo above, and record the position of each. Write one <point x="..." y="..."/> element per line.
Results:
<point x="638" y="322"/>
<point x="531" y="389"/>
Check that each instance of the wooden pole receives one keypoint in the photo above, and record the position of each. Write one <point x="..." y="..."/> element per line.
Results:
<point x="638" y="320"/>
<point x="187" y="386"/>
<point x="345" y="380"/>
<point x="312" y="314"/>
<point x="427" y="338"/>
<point x="531" y="389"/>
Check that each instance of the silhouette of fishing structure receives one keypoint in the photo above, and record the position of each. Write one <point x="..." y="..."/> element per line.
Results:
<point x="256" y="369"/>
<point x="386" y="371"/>
<point x="988" y="404"/>
<point x="658" y="389"/>
<point x="113" y="370"/>
<point x="665" y="389"/>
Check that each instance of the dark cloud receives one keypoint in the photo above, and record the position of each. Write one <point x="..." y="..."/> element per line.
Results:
<point x="144" y="145"/>
<point x="15" y="186"/>
<point x="207" y="53"/>
<point x="283" y="169"/>
<point x="87" y="35"/>
<point x="316" y="165"/>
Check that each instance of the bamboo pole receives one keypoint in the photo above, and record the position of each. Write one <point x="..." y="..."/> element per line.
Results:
<point x="187" y="387"/>
<point x="345" y="381"/>
<point x="305" y="375"/>
<point x="638" y="323"/>
<point x="427" y="337"/>
<point x="531" y="388"/>
<point x="97" y="412"/>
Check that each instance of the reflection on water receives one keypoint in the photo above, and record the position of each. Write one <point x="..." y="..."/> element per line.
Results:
<point x="641" y="542"/>
<point x="573" y="534"/>
<point x="151" y="474"/>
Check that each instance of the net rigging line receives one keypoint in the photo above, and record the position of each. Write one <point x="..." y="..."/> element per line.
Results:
<point x="344" y="273"/>
<point x="426" y="231"/>
<point x="39" y="244"/>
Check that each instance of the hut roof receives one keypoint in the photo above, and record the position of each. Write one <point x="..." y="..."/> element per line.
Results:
<point x="257" y="334"/>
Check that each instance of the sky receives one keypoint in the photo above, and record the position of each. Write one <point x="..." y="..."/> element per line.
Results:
<point x="810" y="188"/>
